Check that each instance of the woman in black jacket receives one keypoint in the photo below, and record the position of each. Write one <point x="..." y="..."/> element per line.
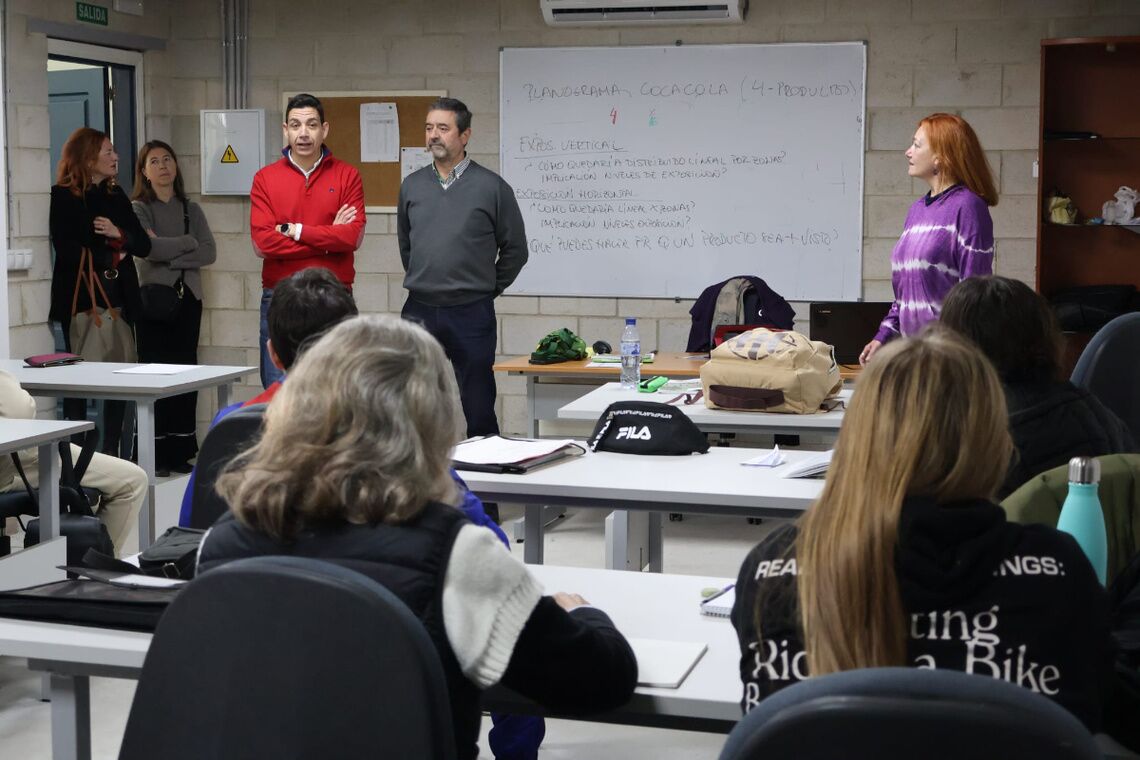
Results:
<point x="90" y="210"/>
<point x="905" y="560"/>
<point x="1050" y="419"/>
<point x="354" y="468"/>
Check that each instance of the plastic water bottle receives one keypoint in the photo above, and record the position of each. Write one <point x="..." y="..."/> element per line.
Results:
<point x="630" y="356"/>
<point x="1082" y="516"/>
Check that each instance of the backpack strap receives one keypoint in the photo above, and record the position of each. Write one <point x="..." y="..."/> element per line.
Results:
<point x="733" y="397"/>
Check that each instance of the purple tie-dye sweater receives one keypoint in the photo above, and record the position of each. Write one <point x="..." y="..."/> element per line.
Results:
<point x="942" y="243"/>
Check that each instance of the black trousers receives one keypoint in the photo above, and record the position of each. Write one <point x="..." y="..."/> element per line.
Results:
<point x="468" y="335"/>
<point x="175" y="418"/>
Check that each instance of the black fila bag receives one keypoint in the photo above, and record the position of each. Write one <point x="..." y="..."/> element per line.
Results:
<point x="647" y="427"/>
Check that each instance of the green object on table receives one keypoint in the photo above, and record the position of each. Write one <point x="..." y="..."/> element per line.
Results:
<point x="559" y="346"/>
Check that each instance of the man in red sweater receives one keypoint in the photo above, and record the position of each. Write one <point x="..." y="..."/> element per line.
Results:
<point x="306" y="210"/>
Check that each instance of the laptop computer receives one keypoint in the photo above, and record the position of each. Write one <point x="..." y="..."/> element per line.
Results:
<point x="846" y="325"/>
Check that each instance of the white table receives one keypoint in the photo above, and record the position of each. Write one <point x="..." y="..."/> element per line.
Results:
<point x="590" y="407"/>
<point x="98" y="380"/>
<point x="657" y="606"/>
<point x="38" y="564"/>
<point x="641" y="605"/>
<point x="713" y="483"/>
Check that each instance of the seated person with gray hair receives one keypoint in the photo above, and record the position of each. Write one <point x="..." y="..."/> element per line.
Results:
<point x="354" y="468"/>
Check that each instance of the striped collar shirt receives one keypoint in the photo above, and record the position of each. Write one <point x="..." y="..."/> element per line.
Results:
<point x="455" y="173"/>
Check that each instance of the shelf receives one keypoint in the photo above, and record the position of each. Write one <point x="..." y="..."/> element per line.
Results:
<point x="1050" y="140"/>
<point x="1130" y="227"/>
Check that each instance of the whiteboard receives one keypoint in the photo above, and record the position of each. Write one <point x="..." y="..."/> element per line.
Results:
<point x="657" y="171"/>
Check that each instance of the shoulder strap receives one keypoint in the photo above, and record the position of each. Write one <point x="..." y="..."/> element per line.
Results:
<point x="185" y="217"/>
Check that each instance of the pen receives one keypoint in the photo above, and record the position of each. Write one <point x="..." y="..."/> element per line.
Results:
<point x="720" y="593"/>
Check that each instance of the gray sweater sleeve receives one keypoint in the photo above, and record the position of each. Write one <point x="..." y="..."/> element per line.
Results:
<point x="162" y="249"/>
<point x="510" y="234"/>
<point x="206" y="252"/>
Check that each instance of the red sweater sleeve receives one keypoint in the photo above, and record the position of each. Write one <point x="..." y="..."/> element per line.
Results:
<point x="340" y="238"/>
<point x="268" y="241"/>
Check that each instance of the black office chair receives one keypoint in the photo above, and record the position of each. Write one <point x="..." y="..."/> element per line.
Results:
<point x="289" y="658"/>
<point x="1109" y="368"/>
<point x="235" y="432"/>
<point x="897" y="713"/>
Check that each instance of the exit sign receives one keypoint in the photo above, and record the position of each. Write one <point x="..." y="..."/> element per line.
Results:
<point x="92" y="14"/>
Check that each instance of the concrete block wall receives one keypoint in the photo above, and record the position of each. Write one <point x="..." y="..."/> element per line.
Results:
<point x="30" y="174"/>
<point x="979" y="58"/>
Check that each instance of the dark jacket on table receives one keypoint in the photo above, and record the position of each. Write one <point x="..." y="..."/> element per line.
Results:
<point x="773" y="310"/>
<point x="571" y="663"/>
<point x="981" y="595"/>
<point x="1054" y="421"/>
<point x="71" y="223"/>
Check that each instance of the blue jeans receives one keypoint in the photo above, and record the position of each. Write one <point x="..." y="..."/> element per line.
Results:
<point x="269" y="371"/>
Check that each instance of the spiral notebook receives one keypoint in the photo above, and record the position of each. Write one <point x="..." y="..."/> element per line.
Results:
<point x="719" y="605"/>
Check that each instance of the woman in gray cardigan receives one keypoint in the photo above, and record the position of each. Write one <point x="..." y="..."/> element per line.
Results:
<point x="167" y="329"/>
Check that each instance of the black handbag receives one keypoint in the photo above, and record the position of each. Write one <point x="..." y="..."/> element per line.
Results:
<point x="163" y="303"/>
<point x="174" y="554"/>
<point x="77" y="521"/>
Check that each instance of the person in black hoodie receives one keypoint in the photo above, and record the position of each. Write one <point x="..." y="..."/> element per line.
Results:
<point x="1051" y="420"/>
<point x="354" y="467"/>
<point x="905" y="560"/>
<point x="89" y="210"/>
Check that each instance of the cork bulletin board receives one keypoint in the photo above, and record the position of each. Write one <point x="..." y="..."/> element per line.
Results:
<point x="342" y="111"/>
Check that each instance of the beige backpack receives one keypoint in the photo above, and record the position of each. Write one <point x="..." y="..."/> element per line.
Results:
<point x="772" y="371"/>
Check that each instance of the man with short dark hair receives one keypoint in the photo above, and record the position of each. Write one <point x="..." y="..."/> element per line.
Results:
<point x="462" y="243"/>
<point x="305" y="305"/>
<point x="306" y="210"/>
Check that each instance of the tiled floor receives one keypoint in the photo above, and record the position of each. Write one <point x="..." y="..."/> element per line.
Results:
<point x="698" y="545"/>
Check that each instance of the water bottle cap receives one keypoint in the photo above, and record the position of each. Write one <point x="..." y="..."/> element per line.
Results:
<point x="1084" y="470"/>
<point x="630" y="321"/>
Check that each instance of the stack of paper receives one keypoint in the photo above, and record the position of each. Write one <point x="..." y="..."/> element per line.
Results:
<point x="494" y="453"/>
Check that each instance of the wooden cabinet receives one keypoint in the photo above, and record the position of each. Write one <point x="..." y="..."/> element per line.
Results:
<point x="1089" y="147"/>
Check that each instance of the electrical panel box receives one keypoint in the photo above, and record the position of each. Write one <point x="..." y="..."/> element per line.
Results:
<point x="233" y="149"/>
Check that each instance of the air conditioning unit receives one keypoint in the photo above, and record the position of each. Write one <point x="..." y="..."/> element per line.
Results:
<point x="610" y="12"/>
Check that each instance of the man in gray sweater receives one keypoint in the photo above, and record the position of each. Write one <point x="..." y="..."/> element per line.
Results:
<point x="462" y="243"/>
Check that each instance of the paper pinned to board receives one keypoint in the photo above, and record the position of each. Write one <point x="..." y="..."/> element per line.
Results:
<point x="665" y="664"/>
<point x="412" y="160"/>
<point x="379" y="132"/>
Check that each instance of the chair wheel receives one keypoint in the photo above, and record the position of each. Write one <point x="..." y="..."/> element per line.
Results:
<point x="755" y="520"/>
<point x="676" y="517"/>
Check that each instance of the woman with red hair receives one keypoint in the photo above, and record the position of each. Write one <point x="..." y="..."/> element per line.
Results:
<point x="90" y="210"/>
<point x="948" y="235"/>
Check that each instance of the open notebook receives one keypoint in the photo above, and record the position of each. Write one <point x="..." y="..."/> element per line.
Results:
<point x="721" y="604"/>
<point x="665" y="664"/>
<point x="812" y="467"/>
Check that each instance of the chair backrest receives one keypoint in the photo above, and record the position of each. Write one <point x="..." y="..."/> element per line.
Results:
<point x="1109" y="368"/>
<point x="233" y="434"/>
<point x="889" y="713"/>
<point x="1039" y="501"/>
<point x="284" y="657"/>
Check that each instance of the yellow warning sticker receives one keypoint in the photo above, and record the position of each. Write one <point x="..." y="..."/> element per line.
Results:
<point x="229" y="157"/>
